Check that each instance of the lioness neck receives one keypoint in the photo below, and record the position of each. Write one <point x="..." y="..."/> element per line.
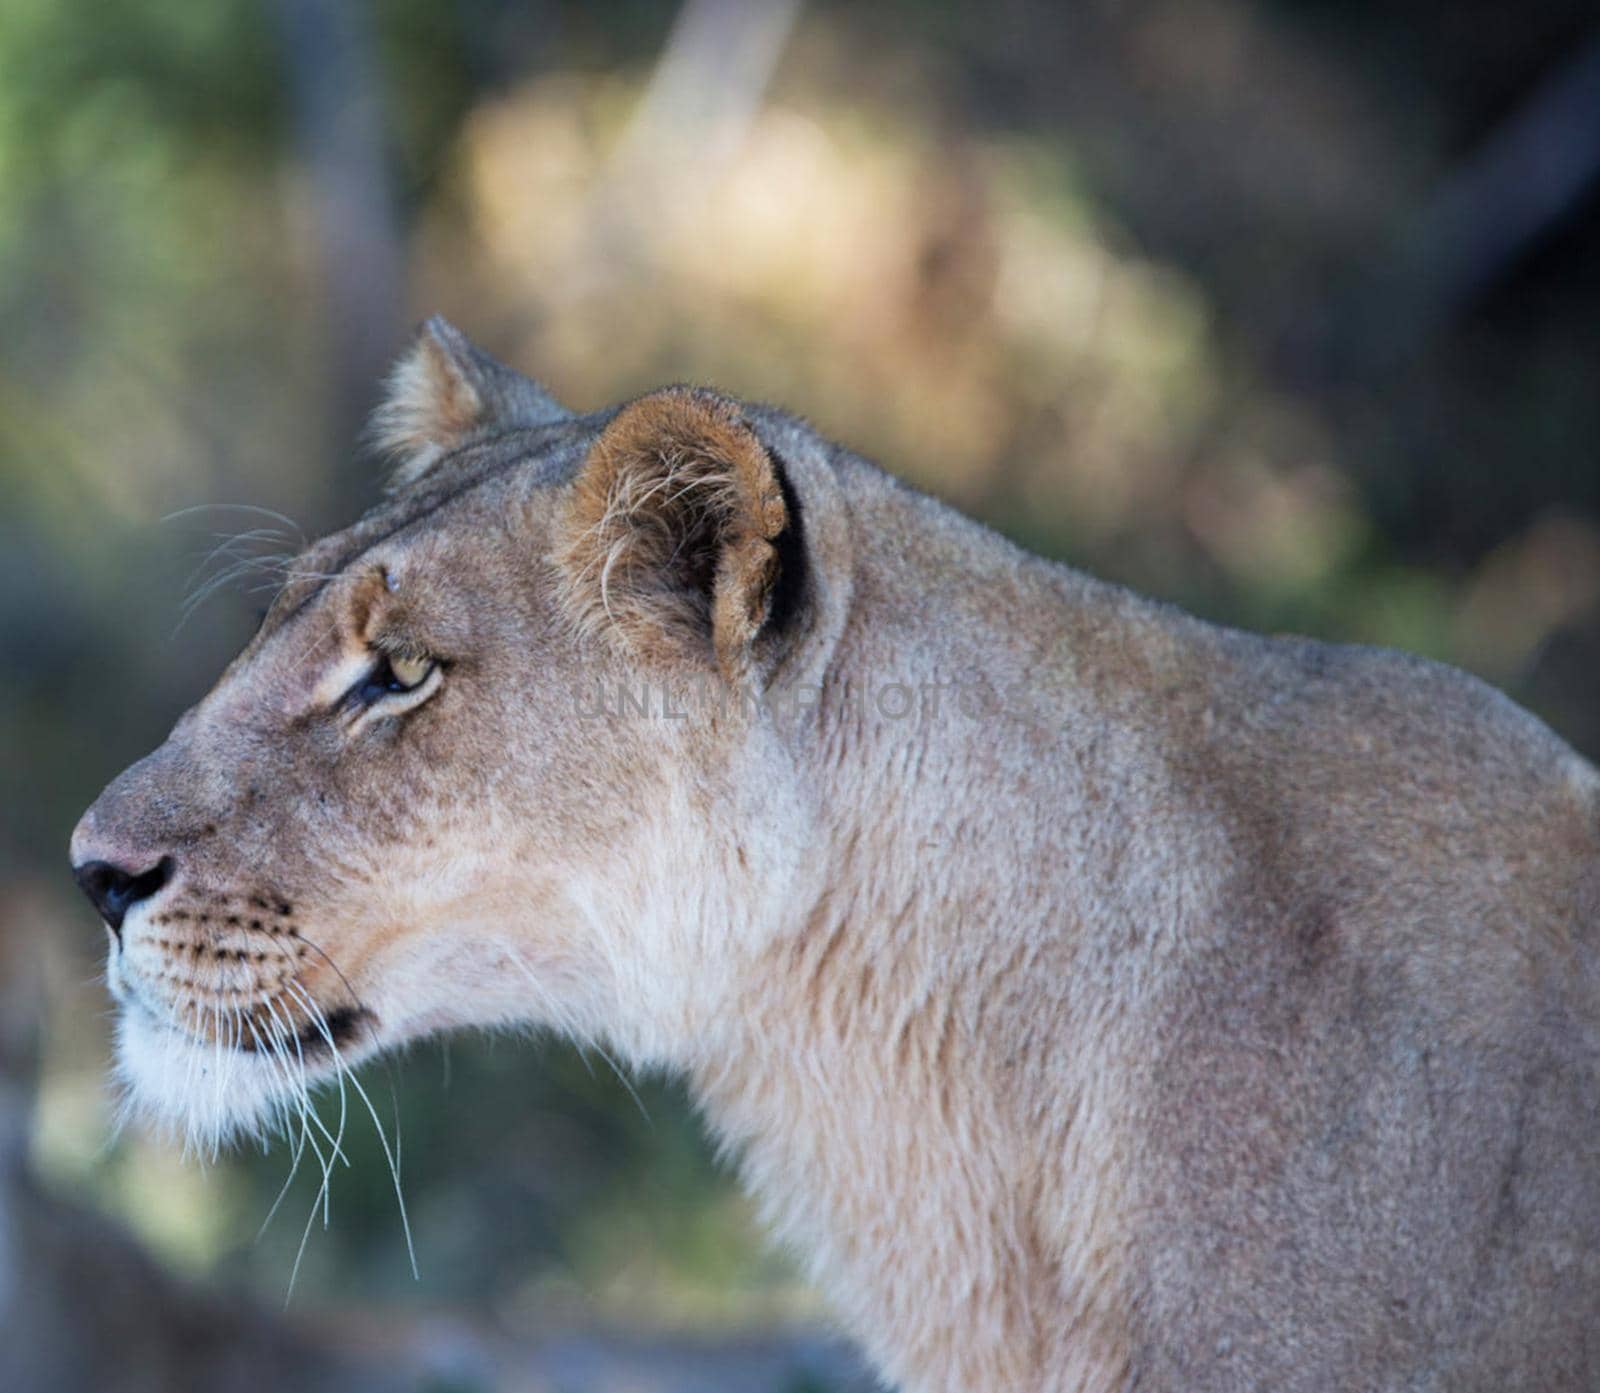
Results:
<point x="919" y="1069"/>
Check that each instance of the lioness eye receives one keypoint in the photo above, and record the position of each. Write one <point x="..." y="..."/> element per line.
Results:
<point x="392" y="674"/>
<point x="406" y="673"/>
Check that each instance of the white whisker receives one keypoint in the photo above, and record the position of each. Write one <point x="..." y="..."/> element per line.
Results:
<point x="322" y="1027"/>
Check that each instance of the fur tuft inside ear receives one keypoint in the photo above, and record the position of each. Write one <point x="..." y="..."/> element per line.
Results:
<point x="444" y="393"/>
<point x="672" y="538"/>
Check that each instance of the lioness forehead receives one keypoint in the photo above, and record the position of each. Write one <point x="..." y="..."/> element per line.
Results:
<point x="481" y="479"/>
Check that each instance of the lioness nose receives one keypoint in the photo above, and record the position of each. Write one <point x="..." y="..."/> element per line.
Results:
<point x="112" y="889"/>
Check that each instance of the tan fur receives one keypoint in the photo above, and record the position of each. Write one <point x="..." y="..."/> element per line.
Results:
<point x="1146" y="1005"/>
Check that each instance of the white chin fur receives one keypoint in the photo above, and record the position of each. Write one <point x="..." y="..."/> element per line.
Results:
<point x="206" y="1095"/>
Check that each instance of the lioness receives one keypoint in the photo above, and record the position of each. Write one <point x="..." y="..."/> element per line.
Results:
<point x="1098" y="998"/>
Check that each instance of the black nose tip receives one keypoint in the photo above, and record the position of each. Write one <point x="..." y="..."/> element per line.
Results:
<point x="111" y="889"/>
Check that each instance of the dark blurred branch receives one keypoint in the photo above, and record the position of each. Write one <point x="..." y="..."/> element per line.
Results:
<point x="92" y="1311"/>
<point x="1491" y="211"/>
<point x="340" y="144"/>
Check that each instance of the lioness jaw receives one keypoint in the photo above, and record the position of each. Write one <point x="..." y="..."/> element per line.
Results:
<point x="1097" y="997"/>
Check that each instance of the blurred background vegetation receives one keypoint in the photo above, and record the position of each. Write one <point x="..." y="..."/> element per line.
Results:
<point x="1286" y="310"/>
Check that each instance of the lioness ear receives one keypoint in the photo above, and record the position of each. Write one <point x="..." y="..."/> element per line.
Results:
<point x="444" y="392"/>
<point x="682" y="533"/>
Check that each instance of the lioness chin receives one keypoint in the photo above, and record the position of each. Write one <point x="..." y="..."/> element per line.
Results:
<point x="1098" y="998"/>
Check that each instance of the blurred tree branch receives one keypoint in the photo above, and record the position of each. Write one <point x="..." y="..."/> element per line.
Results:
<point x="340" y="142"/>
<point x="696" y="111"/>
<point x="1488" y="214"/>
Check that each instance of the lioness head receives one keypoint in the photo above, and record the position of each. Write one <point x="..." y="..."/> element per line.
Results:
<point x="426" y="794"/>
